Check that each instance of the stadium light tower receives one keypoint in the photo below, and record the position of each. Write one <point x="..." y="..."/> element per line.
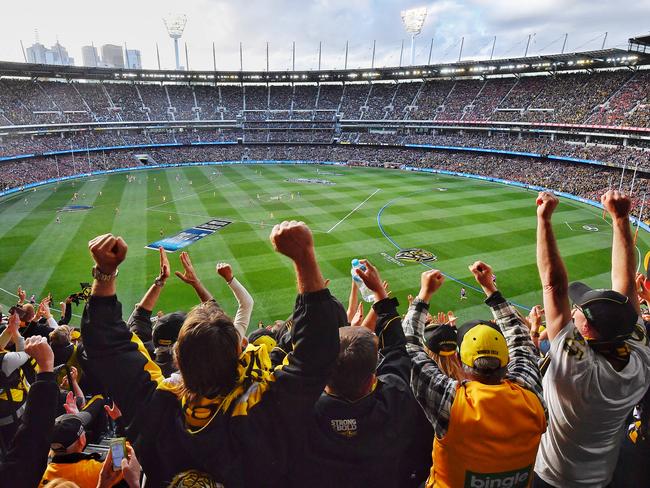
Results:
<point x="413" y="20"/>
<point x="175" y="24"/>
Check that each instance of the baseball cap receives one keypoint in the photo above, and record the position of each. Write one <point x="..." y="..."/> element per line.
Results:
<point x="609" y="312"/>
<point x="262" y="336"/>
<point x="67" y="430"/>
<point x="441" y="339"/>
<point x="165" y="333"/>
<point x="480" y="339"/>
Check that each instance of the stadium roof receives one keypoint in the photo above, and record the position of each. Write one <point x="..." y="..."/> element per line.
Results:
<point x="589" y="60"/>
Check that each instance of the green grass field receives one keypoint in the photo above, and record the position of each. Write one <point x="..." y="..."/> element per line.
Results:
<point x="470" y="220"/>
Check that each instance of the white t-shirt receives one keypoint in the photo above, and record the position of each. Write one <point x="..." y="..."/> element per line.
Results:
<point x="588" y="402"/>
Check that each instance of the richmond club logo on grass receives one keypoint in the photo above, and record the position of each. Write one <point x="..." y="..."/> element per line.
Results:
<point x="415" y="255"/>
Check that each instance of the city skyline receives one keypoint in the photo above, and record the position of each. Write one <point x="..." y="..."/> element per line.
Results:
<point x="329" y="22"/>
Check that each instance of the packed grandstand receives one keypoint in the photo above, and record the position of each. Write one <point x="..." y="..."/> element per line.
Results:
<point x="574" y="123"/>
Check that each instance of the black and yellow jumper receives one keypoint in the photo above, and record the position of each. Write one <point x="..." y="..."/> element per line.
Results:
<point x="259" y="424"/>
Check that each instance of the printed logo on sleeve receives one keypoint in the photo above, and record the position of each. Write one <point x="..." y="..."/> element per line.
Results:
<point x="508" y="479"/>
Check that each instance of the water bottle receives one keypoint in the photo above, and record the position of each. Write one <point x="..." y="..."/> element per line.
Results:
<point x="366" y="293"/>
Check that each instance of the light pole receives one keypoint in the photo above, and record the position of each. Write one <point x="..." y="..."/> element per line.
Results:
<point x="413" y="20"/>
<point x="175" y="24"/>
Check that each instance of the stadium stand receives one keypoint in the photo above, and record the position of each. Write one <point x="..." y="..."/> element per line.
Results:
<point x="200" y="401"/>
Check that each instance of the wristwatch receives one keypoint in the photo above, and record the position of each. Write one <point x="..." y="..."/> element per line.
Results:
<point x="100" y="276"/>
<point x="159" y="282"/>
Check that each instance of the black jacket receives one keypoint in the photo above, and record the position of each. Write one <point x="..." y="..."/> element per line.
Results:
<point x="26" y="458"/>
<point x="265" y="433"/>
<point x="366" y="442"/>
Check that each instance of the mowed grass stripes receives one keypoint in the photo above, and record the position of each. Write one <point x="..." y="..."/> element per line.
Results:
<point x="457" y="219"/>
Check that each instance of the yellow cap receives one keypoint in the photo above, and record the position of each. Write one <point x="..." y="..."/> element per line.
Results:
<point x="75" y="334"/>
<point x="265" y="339"/>
<point x="483" y="341"/>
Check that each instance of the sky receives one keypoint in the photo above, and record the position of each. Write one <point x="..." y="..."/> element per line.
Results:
<point x="226" y="23"/>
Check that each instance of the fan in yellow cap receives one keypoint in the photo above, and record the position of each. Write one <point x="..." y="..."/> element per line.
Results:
<point x="482" y="339"/>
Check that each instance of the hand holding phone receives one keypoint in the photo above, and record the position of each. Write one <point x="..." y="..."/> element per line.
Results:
<point x="118" y="452"/>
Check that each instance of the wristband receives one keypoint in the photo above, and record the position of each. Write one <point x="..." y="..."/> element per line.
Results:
<point x="101" y="276"/>
<point x="159" y="282"/>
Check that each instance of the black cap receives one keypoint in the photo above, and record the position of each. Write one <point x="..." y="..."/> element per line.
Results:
<point x="167" y="328"/>
<point x="67" y="431"/>
<point x="440" y="338"/>
<point x="610" y="313"/>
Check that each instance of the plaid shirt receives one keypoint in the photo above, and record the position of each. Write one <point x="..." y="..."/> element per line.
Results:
<point x="436" y="391"/>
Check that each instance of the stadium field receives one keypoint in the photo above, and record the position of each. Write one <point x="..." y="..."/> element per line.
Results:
<point x="364" y="213"/>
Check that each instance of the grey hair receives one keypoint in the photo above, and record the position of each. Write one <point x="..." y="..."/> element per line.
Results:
<point x="486" y="370"/>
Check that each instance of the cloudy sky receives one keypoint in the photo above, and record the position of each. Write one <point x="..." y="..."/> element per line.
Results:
<point x="138" y="23"/>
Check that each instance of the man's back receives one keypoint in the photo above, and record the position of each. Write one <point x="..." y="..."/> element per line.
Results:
<point x="486" y="419"/>
<point x="588" y="402"/>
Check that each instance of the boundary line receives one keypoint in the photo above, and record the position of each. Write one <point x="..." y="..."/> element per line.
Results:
<point x="399" y="248"/>
<point x="353" y="210"/>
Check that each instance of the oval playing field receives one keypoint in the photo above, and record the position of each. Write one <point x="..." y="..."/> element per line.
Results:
<point x="353" y="212"/>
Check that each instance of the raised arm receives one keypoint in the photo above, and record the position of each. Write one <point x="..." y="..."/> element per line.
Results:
<point x="353" y="301"/>
<point x="522" y="363"/>
<point x="623" y="255"/>
<point x="14" y="360"/>
<point x="189" y="276"/>
<point x="117" y="356"/>
<point x="244" y="299"/>
<point x="388" y="326"/>
<point x="140" y="320"/>
<point x="150" y="298"/>
<point x="552" y="272"/>
<point x="316" y="318"/>
<point x="434" y="390"/>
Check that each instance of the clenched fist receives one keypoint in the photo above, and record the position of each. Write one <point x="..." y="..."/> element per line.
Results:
<point x="546" y="204"/>
<point x="108" y="252"/>
<point x="225" y="271"/>
<point x="293" y="239"/>
<point x="617" y="204"/>
<point x="430" y="282"/>
<point x="483" y="276"/>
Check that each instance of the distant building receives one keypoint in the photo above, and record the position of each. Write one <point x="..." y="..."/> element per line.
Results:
<point x="112" y="56"/>
<point x="90" y="56"/>
<point x="57" y="54"/>
<point x="133" y="59"/>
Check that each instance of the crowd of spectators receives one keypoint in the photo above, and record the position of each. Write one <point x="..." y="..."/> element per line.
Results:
<point x="333" y="395"/>
<point x="603" y="98"/>
<point x="587" y="181"/>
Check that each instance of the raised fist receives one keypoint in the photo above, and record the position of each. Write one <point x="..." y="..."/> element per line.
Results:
<point x="225" y="271"/>
<point x="38" y="348"/>
<point x="546" y="204"/>
<point x="108" y="252"/>
<point x="430" y="282"/>
<point x="617" y="204"/>
<point x="482" y="274"/>
<point x="293" y="239"/>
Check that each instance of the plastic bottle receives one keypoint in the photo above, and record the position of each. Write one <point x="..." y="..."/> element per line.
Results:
<point x="366" y="293"/>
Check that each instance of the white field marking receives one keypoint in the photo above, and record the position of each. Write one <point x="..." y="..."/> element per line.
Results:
<point x="353" y="210"/>
<point x="194" y="193"/>
<point x="14" y="295"/>
<point x="568" y="225"/>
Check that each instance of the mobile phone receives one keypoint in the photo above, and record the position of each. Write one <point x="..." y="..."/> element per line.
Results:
<point x="118" y="451"/>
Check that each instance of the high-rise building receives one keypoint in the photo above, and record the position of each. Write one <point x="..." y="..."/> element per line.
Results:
<point x="112" y="56"/>
<point x="57" y="54"/>
<point x="133" y="59"/>
<point x="90" y="56"/>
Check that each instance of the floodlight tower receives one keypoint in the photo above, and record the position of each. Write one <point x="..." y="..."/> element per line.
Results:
<point x="413" y="20"/>
<point x="175" y="24"/>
